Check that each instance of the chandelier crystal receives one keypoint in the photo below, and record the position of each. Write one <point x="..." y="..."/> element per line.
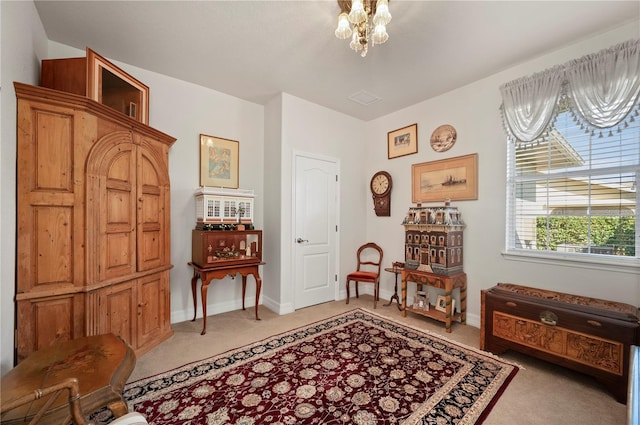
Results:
<point x="363" y="21"/>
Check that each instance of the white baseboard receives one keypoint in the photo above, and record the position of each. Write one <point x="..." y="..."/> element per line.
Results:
<point x="212" y="308"/>
<point x="285" y="308"/>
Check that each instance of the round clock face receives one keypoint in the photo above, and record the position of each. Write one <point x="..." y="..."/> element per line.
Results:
<point x="443" y="138"/>
<point x="380" y="183"/>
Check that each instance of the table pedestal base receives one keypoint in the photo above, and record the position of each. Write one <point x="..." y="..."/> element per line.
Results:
<point x="396" y="271"/>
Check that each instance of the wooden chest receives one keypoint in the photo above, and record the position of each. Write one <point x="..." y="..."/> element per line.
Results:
<point x="588" y="335"/>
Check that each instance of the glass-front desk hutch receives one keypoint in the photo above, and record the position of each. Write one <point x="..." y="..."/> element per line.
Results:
<point x="224" y="242"/>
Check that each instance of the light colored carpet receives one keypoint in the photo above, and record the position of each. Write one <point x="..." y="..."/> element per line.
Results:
<point x="541" y="393"/>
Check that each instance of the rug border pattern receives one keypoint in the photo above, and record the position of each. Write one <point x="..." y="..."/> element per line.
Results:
<point x="155" y="386"/>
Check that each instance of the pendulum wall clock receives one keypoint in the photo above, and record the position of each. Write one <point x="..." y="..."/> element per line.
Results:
<point x="381" y="193"/>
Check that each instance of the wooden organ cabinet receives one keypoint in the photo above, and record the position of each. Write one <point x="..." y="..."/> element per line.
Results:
<point x="93" y="231"/>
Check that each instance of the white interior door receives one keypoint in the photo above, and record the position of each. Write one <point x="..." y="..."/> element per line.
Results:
<point x="315" y="230"/>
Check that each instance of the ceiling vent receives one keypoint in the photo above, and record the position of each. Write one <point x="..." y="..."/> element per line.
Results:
<point x="364" y="98"/>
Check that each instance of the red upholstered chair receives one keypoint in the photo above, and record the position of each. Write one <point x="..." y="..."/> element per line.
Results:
<point x="369" y="262"/>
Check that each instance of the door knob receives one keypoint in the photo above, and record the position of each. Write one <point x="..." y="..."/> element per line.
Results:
<point x="300" y="240"/>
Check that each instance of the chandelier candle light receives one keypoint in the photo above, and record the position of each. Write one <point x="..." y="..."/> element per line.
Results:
<point x="369" y="19"/>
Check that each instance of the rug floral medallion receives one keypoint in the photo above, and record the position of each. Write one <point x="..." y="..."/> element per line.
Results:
<point x="355" y="368"/>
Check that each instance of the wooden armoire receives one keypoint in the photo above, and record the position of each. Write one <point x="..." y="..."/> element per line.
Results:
<point x="93" y="223"/>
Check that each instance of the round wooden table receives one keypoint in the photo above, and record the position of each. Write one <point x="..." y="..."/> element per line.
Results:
<point x="395" y="270"/>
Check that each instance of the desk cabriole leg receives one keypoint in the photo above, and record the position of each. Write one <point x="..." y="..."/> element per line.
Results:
<point x="258" y="289"/>
<point x="244" y="288"/>
<point x="203" y="292"/>
<point x="194" y="283"/>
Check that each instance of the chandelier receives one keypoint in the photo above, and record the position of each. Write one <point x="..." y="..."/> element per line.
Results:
<point x="369" y="19"/>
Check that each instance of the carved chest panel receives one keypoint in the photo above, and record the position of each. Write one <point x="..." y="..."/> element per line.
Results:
<point x="589" y="335"/>
<point x="576" y="346"/>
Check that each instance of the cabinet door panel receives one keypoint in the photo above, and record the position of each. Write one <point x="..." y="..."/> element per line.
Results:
<point x="119" y="205"/>
<point x="152" y="221"/>
<point x="118" y="250"/>
<point x="53" y="246"/>
<point x="119" y="221"/>
<point x="152" y="307"/>
<point x="53" y="152"/>
<point x="47" y="321"/>
<point x="111" y="194"/>
<point x="117" y="309"/>
<point x="45" y="199"/>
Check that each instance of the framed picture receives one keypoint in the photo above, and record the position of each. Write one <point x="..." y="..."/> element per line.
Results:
<point x="403" y="141"/>
<point x="218" y="162"/>
<point x="453" y="178"/>
<point x="133" y="110"/>
<point x="421" y="301"/>
<point x="441" y="304"/>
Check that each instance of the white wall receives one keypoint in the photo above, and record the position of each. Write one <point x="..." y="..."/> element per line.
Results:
<point x="309" y="128"/>
<point x="24" y="44"/>
<point x="273" y="220"/>
<point x="268" y="138"/>
<point x="473" y="111"/>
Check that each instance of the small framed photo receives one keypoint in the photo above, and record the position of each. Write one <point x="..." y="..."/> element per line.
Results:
<point x="421" y="301"/>
<point x="133" y="110"/>
<point x="441" y="304"/>
<point x="403" y="141"/>
<point x="219" y="160"/>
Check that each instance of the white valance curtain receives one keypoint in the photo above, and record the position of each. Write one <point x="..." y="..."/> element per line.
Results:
<point x="604" y="88"/>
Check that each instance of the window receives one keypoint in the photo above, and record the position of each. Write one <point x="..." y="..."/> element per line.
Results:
<point x="575" y="191"/>
<point x="574" y="159"/>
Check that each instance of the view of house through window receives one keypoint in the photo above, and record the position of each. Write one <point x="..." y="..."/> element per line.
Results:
<point x="575" y="190"/>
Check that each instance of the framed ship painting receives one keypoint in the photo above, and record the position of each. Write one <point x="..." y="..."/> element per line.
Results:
<point x="454" y="178"/>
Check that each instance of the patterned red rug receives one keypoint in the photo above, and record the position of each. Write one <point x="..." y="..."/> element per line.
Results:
<point x="355" y="368"/>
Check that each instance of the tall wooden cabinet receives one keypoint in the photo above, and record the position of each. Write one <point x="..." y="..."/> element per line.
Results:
<point x="93" y="242"/>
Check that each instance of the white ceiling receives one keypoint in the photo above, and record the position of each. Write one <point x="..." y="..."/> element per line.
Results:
<point x="255" y="49"/>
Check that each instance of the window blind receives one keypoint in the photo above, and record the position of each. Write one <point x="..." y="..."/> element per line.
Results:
<point x="574" y="190"/>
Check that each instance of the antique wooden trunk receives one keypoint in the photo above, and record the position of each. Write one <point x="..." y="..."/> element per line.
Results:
<point x="588" y="335"/>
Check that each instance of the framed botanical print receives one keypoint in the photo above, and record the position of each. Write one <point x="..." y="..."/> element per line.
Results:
<point x="219" y="160"/>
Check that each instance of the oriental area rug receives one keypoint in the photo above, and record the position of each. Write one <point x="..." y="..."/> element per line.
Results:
<point x="354" y="368"/>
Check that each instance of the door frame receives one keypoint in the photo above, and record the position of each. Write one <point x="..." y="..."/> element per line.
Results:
<point x="292" y="271"/>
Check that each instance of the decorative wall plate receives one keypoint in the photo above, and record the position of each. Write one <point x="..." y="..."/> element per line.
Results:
<point x="443" y="138"/>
